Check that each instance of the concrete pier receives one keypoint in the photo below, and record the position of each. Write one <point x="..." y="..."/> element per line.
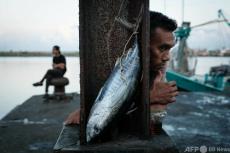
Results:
<point x="34" y="126"/>
<point x="196" y="119"/>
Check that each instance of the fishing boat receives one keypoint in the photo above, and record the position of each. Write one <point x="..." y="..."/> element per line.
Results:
<point x="183" y="64"/>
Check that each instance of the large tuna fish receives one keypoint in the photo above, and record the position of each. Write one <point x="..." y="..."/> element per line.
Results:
<point x="115" y="93"/>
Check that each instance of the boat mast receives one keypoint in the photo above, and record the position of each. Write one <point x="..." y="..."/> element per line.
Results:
<point x="182" y="11"/>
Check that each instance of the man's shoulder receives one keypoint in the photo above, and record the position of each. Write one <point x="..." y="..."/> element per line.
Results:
<point x="62" y="56"/>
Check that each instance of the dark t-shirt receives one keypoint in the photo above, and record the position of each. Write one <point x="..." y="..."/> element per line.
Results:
<point x="60" y="59"/>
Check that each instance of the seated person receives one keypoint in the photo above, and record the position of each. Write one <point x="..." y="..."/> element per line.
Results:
<point x="59" y="69"/>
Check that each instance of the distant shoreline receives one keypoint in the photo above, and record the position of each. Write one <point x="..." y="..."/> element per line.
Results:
<point x="76" y="54"/>
<point x="34" y="54"/>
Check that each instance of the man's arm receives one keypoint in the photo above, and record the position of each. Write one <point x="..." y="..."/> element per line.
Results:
<point x="60" y="65"/>
<point x="162" y="92"/>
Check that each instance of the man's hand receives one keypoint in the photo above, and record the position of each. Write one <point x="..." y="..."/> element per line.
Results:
<point x="73" y="118"/>
<point x="54" y="66"/>
<point x="161" y="92"/>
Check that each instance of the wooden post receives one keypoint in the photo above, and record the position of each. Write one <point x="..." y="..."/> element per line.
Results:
<point x="145" y="35"/>
<point x="101" y="42"/>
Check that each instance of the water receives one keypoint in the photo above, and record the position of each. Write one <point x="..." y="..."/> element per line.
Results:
<point x="18" y="74"/>
<point x="204" y="63"/>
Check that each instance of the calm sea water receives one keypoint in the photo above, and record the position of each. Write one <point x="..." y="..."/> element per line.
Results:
<point x="18" y="73"/>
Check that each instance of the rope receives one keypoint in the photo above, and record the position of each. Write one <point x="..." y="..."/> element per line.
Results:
<point x="117" y="18"/>
<point x="135" y="31"/>
<point x="110" y="31"/>
<point x="127" y="42"/>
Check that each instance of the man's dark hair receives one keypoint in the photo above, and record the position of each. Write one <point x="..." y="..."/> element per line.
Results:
<point x="159" y="20"/>
<point x="56" y="47"/>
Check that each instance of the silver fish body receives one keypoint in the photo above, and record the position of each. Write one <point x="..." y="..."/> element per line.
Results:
<point x="116" y="91"/>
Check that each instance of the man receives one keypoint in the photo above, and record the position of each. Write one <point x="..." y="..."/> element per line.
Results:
<point x="161" y="41"/>
<point x="59" y="69"/>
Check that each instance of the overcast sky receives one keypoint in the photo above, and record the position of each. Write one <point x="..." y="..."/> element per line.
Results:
<point x="37" y="25"/>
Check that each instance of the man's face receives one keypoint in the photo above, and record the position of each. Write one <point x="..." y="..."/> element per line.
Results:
<point x="55" y="52"/>
<point x="160" y="44"/>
